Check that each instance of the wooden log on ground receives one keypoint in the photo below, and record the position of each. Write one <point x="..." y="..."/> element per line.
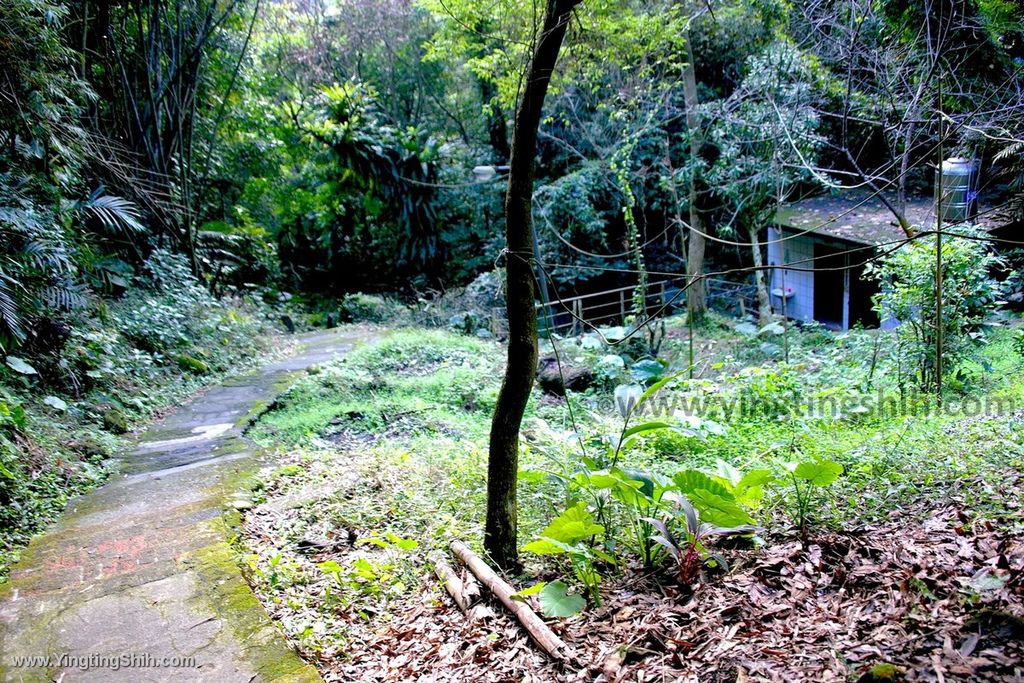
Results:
<point x="544" y="637"/>
<point x="464" y="593"/>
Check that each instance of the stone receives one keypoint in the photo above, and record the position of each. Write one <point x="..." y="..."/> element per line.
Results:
<point x="192" y="364"/>
<point x="576" y="377"/>
<point x="882" y="673"/>
<point x="114" y="421"/>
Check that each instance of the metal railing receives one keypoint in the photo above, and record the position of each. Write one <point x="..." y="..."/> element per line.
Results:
<point x="571" y="315"/>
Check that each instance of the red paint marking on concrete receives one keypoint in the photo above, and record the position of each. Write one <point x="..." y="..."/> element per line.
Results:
<point x="125" y="554"/>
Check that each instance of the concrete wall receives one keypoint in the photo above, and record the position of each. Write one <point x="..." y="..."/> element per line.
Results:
<point x="799" y="252"/>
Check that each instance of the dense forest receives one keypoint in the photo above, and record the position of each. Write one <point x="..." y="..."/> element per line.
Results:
<point x="329" y="147"/>
<point x="185" y="184"/>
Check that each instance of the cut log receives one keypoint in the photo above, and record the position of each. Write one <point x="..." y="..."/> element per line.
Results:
<point x="544" y="637"/>
<point x="464" y="593"/>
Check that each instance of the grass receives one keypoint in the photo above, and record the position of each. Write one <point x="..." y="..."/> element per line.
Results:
<point x="389" y="443"/>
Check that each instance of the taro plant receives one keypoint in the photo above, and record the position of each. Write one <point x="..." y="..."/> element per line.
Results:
<point x="747" y="489"/>
<point x="618" y="493"/>
<point x="638" y="495"/>
<point x="573" y="535"/>
<point x="715" y="500"/>
<point x="690" y="550"/>
<point x="710" y="506"/>
<point x="809" y="478"/>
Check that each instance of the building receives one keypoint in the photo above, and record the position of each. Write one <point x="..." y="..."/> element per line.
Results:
<point x="826" y="241"/>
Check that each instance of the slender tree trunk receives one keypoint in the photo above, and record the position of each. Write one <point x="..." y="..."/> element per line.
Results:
<point x="696" y="295"/>
<point x="503" y="462"/>
<point x="764" y="306"/>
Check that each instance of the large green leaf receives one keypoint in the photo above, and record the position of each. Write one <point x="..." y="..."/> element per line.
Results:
<point x="819" y="472"/>
<point x="573" y="525"/>
<point x="56" y="403"/>
<point x="527" y="592"/>
<point x="646" y="427"/>
<point x="533" y="476"/>
<point x="714" y="509"/>
<point x="643" y="481"/>
<point x="19" y="365"/>
<point x="749" y="490"/>
<point x="556" y="601"/>
<point x="689" y="481"/>
<point x="601" y="479"/>
<point x="646" y="371"/>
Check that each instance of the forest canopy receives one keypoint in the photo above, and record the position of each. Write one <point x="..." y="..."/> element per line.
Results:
<point x="330" y="146"/>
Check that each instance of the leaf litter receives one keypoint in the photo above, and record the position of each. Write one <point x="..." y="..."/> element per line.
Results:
<point x="929" y="595"/>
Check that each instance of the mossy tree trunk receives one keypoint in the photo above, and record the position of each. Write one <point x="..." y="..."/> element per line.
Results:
<point x="503" y="461"/>
<point x="764" y="306"/>
<point x="696" y="293"/>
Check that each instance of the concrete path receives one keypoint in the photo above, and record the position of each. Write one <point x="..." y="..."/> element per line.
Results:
<point x="138" y="581"/>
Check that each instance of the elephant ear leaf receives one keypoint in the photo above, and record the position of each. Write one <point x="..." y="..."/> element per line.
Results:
<point x="572" y="526"/>
<point x="749" y="490"/>
<point x="689" y="481"/>
<point x="557" y="601"/>
<point x="819" y="472"/>
<point x="719" y="511"/>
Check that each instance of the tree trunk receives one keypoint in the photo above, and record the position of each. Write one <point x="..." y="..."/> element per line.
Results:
<point x="503" y="461"/>
<point x="696" y="294"/>
<point x="764" y="306"/>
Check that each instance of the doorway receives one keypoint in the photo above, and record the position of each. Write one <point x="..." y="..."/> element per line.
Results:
<point x="829" y="285"/>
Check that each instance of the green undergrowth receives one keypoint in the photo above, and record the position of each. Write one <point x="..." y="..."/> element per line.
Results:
<point x="68" y="407"/>
<point x="385" y="450"/>
<point x="408" y="416"/>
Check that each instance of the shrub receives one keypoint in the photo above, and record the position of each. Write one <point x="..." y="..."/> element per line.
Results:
<point x="369" y="308"/>
<point x="161" y="314"/>
<point x="969" y="296"/>
<point x="468" y="309"/>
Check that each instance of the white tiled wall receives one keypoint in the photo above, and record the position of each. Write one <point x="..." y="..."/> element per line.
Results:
<point x="798" y="251"/>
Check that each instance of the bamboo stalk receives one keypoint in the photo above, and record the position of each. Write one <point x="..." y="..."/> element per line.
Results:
<point x="464" y="593"/>
<point x="543" y="636"/>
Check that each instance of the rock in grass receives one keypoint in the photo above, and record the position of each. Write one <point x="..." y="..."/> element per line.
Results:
<point x="192" y="364"/>
<point x="90" y="447"/>
<point x="242" y="503"/>
<point x="114" y="421"/>
<point x="576" y="377"/>
<point x="882" y="673"/>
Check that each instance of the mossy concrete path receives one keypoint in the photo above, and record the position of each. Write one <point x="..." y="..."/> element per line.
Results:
<point x="138" y="581"/>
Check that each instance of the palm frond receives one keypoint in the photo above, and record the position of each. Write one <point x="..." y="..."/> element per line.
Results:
<point x="64" y="297"/>
<point x="48" y="257"/>
<point x="11" y="323"/>
<point x="114" y="213"/>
